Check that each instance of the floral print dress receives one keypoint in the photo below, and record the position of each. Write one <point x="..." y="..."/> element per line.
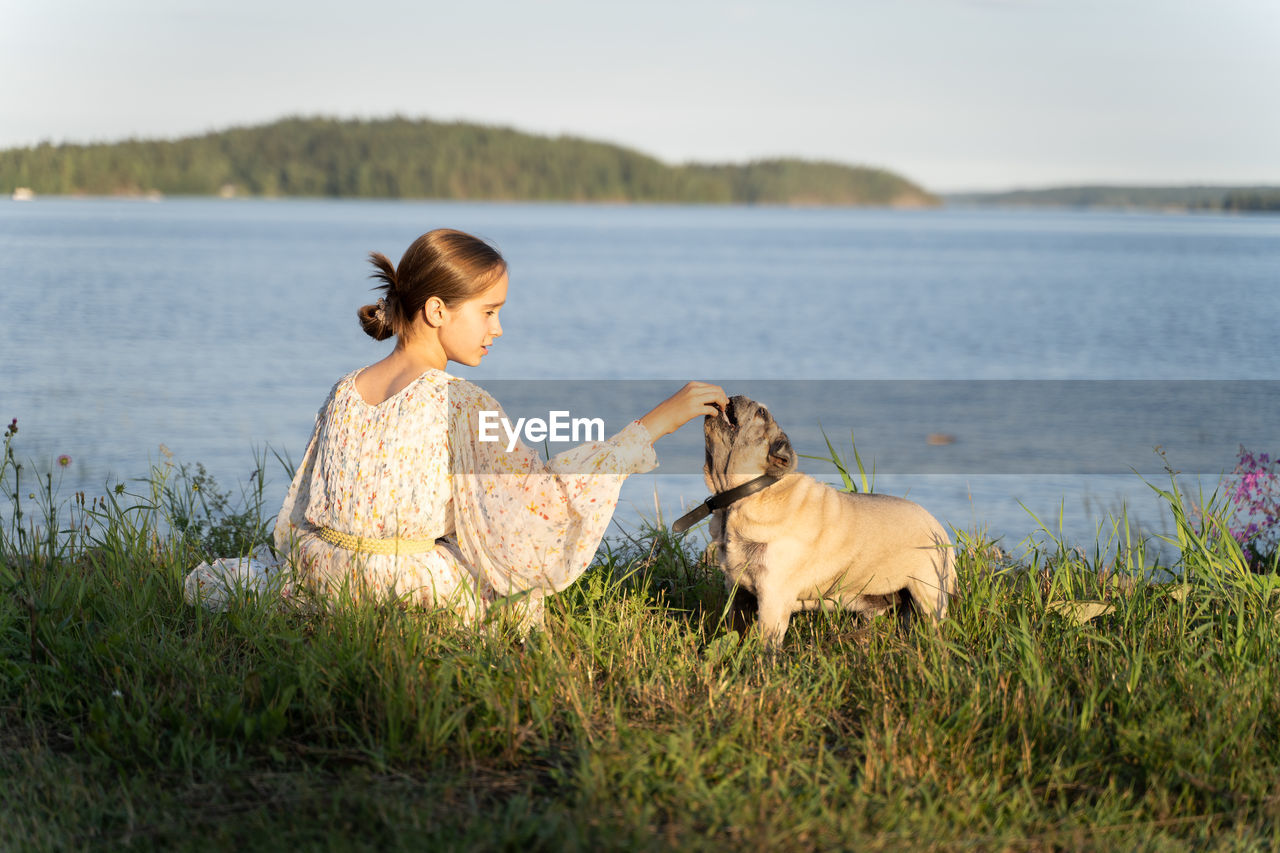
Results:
<point x="413" y="467"/>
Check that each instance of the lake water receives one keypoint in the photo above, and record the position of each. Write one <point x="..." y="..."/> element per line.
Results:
<point x="217" y="327"/>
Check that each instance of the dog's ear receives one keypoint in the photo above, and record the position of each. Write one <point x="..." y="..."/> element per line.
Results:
<point x="782" y="458"/>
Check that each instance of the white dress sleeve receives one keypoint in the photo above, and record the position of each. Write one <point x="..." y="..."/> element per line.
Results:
<point x="528" y="525"/>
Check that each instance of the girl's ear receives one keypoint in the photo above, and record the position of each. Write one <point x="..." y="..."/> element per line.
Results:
<point x="435" y="312"/>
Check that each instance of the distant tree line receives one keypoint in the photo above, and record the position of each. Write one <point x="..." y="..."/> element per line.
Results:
<point x="1246" y="200"/>
<point x="403" y="158"/>
<point x="1207" y="198"/>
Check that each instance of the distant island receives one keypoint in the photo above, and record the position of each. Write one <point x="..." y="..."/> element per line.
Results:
<point x="422" y="159"/>
<point x="1182" y="199"/>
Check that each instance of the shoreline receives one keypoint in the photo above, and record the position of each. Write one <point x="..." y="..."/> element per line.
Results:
<point x="1009" y="207"/>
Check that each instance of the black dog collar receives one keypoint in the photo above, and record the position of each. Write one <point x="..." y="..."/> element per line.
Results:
<point x="722" y="500"/>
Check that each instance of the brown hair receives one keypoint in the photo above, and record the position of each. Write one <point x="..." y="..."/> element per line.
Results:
<point x="448" y="264"/>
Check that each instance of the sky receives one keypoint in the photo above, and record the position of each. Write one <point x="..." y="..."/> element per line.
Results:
<point x="954" y="94"/>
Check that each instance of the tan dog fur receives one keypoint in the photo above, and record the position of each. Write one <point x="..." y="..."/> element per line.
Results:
<point x="803" y="545"/>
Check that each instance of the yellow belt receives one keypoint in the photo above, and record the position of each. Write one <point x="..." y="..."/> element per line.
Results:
<point x="365" y="545"/>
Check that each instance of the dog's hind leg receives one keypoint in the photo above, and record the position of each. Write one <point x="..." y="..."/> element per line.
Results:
<point x="933" y="583"/>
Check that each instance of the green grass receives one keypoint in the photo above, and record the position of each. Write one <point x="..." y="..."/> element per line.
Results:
<point x="638" y="719"/>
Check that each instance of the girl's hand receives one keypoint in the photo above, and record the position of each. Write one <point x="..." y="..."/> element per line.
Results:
<point x="691" y="401"/>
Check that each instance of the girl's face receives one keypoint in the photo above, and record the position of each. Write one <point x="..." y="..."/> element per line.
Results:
<point x="469" y="329"/>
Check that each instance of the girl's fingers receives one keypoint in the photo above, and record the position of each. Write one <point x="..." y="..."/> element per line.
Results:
<point x="707" y="396"/>
<point x="713" y="395"/>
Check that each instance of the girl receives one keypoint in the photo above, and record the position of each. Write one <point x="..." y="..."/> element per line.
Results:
<point x="396" y="495"/>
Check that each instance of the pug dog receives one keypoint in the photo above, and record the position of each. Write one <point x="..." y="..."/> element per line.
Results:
<point x="798" y="544"/>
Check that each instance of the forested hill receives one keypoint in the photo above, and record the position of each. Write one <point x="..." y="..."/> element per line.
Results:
<point x="402" y="158"/>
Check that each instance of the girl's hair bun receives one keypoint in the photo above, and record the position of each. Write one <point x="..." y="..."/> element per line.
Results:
<point x="376" y="320"/>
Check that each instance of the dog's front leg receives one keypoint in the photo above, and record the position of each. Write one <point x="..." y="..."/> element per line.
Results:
<point x="773" y="617"/>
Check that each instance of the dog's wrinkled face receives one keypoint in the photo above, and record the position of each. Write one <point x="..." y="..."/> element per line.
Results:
<point x="743" y="442"/>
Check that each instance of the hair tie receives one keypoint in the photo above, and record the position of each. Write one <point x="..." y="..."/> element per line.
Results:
<point x="380" y="310"/>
